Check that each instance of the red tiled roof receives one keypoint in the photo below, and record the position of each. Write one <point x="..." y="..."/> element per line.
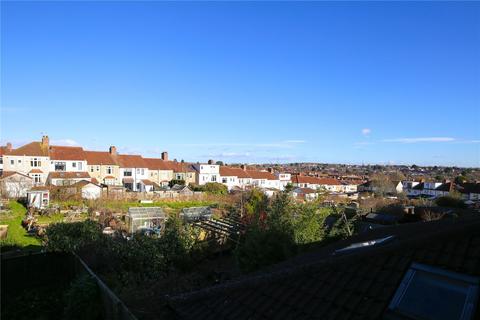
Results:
<point x="314" y="180"/>
<point x="68" y="175"/>
<point x="67" y="153"/>
<point x="94" y="180"/>
<point x="147" y="182"/>
<point x="99" y="158"/>
<point x="36" y="171"/>
<point x="31" y="149"/>
<point x="157" y="164"/>
<point x="109" y="177"/>
<point x="261" y="175"/>
<point x="180" y="166"/>
<point x="131" y="161"/>
<point x="233" y="172"/>
<point x="6" y="174"/>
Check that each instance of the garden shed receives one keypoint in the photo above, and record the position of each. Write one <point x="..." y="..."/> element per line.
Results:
<point x="196" y="214"/>
<point x="38" y="198"/>
<point x="148" y="219"/>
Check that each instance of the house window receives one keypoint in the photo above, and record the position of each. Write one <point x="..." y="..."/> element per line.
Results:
<point x="224" y="180"/>
<point x="19" y="161"/>
<point x="143" y="171"/>
<point x="74" y="164"/>
<point x="92" y="169"/>
<point x="98" y="168"/>
<point x="1" y="160"/>
<point x="214" y="178"/>
<point x="12" y="162"/>
<point x="127" y="173"/>
<point x="35" y="162"/>
<point x="109" y="170"/>
<point x="37" y="178"/>
<point x="138" y="171"/>
<point x="424" y="290"/>
<point x="60" y="166"/>
<point x="80" y="166"/>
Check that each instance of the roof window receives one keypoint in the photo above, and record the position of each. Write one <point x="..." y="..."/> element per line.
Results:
<point x="360" y="245"/>
<point x="428" y="292"/>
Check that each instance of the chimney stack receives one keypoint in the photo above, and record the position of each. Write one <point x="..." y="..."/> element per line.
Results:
<point x="270" y="169"/>
<point x="45" y="141"/>
<point x="165" y="156"/>
<point x="9" y="147"/>
<point x="210" y="161"/>
<point x="244" y="167"/>
<point x="113" y="151"/>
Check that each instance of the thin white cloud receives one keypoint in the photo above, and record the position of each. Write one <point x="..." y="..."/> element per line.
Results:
<point x="65" y="142"/>
<point x="366" y="131"/>
<point x="422" y="139"/>
<point x="230" y="155"/>
<point x="284" y="144"/>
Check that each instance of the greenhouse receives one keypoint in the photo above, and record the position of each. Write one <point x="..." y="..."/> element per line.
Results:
<point x="145" y="219"/>
<point x="193" y="214"/>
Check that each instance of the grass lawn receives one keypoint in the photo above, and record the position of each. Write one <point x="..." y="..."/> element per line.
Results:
<point x="54" y="218"/>
<point x="17" y="235"/>
<point x="123" y="205"/>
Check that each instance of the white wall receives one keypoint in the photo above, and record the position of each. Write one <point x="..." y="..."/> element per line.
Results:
<point x="138" y="174"/>
<point x="71" y="165"/>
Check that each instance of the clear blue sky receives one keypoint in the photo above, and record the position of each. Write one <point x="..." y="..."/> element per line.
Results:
<point x="363" y="82"/>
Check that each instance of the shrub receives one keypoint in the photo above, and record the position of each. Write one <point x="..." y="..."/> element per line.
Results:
<point x="70" y="237"/>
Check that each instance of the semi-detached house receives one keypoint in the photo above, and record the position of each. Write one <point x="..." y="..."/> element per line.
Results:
<point x="31" y="159"/>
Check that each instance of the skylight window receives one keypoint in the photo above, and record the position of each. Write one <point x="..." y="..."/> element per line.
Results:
<point x="431" y="293"/>
<point x="366" y="244"/>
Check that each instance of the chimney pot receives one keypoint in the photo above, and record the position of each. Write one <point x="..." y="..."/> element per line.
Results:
<point x="113" y="150"/>
<point x="165" y="156"/>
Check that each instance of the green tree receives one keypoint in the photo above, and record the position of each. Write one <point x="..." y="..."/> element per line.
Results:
<point x="215" y="188"/>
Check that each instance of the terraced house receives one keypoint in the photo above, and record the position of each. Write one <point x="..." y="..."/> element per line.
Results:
<point x="103" y="167"/>
<point x="134" y="173"/>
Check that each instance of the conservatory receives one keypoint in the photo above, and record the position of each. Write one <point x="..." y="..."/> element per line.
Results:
<point x="145" y="219"/>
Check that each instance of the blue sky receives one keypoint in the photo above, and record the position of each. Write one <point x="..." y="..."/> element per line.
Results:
<point x="361" y="82"/>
